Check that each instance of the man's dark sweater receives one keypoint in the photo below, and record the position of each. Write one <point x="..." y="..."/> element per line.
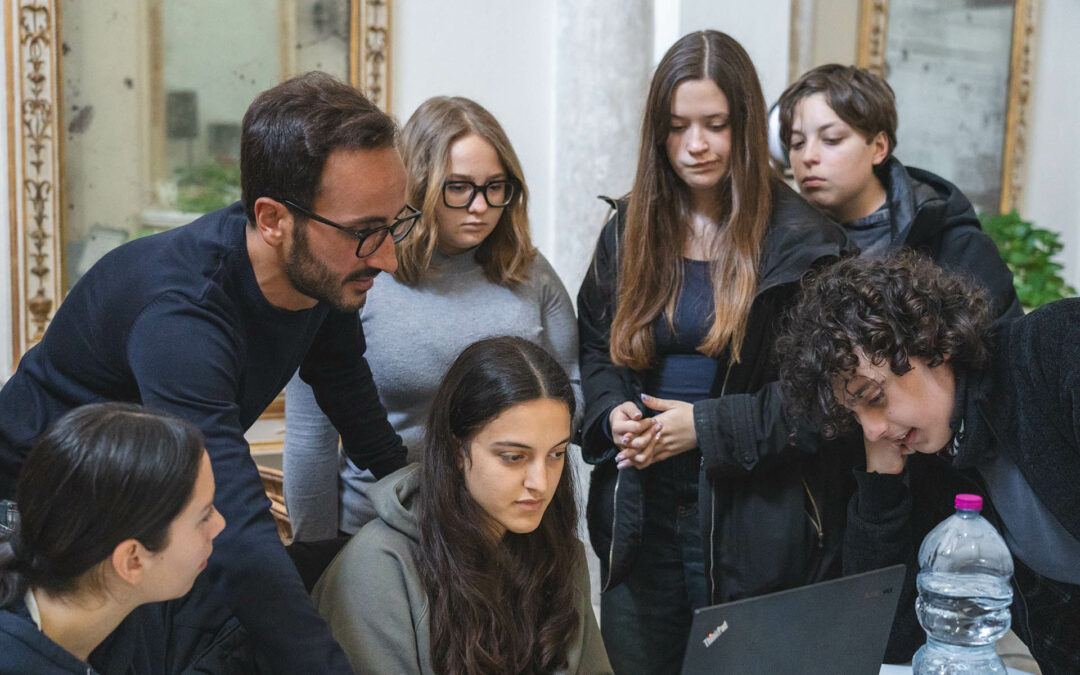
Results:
<point x="177" y="322"/>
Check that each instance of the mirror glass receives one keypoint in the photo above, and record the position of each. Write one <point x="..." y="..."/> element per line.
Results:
<point x="152" y="95"/>
<point x="948" y="62"/>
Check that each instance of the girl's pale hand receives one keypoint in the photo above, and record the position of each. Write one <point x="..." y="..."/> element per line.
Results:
<point x="674" y="433"/>
<point x="626" y="423"/>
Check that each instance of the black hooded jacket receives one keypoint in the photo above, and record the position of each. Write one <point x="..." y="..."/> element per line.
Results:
<point x="766" y="498"/>
<point x="930" y="214"/>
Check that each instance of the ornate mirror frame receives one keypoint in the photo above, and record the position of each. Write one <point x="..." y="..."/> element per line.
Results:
<point x="35" y="145"/>
<point x="871" y="41"/>
<point x="873" y="36"/>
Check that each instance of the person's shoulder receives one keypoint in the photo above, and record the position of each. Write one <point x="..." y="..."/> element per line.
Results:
<point x="928" y="188"/>
<point x="387" y="289"/>
<point x="1061" y="317"/>
<point x="615" y="220"/>
<point x="376" y="557"/>
<point x="798" y="234"/>
<point x="184" y="259"/>
<point x="793" y="221"/>
<point x="379" y="540"/>
<point x="1044" y="335"/>
<point x="25" y="649"/>
<point x="543" y="274"/>
<point x="790" y="209"/>
<point x="605" y="257"/>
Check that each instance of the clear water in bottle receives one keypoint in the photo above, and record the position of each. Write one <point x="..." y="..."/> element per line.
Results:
<point x="964" y="594"/>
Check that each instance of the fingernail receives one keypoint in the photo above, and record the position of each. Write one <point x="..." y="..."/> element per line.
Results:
<point x="636" y="415"/>
<point x="626" y="439"/>
<point x="644" y="396"/>
<point x="659" y="426"/>
<point x="623" y="464"/>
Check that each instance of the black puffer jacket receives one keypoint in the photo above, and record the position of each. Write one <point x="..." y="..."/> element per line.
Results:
<point x="930" y="214"/>
<point x="767" y="499"/>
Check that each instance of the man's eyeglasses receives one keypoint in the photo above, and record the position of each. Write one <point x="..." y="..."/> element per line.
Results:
<point x="459" y="194"/>
<point x="369" y="240"/>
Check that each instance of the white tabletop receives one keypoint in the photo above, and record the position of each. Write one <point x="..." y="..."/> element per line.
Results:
<point x="906" y="670"/>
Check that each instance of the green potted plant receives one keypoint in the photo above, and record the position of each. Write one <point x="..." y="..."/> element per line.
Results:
<point x="1029" y="253"/>
<point x="208" y="186"/>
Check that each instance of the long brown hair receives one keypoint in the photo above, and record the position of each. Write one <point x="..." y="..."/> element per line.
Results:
<point x="657" y="216"/>
<point x="506" y="255"/>
<point x="497" y="605"/>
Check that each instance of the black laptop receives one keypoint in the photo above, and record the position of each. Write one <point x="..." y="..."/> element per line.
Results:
<point x="835" y="627"/>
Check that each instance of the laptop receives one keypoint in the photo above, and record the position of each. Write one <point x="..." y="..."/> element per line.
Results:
<point x="838" y="626"/>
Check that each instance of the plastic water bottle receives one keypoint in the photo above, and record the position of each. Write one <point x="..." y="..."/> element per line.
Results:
<point x="964" y="594"/>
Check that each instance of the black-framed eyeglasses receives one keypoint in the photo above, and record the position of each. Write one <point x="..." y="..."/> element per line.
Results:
<point x="459" y="194"/>
<point x="369" y="240"/>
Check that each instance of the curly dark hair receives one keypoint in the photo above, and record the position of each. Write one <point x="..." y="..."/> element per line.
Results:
<point x="888" y="310"/>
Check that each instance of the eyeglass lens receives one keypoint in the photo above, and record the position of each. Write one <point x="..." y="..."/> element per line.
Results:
<point x="398" y="230"/>
<point x="459" y="194"/>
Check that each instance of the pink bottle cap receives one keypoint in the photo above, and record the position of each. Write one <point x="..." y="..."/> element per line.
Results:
<point x="969" y="502"/>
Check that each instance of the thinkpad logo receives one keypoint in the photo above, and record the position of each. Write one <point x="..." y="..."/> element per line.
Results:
<point x="715" y="634"/>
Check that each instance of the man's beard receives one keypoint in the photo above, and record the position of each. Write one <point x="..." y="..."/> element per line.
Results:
<point x="313" y="278"/>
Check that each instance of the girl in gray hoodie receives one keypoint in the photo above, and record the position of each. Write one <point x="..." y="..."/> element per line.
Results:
<point x="472" y="564"/>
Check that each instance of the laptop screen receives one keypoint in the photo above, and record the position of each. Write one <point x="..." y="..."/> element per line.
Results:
<point x="837" y="626"/>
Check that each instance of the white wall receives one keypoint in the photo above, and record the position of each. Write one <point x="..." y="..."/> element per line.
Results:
<point x="1052" y="189"/>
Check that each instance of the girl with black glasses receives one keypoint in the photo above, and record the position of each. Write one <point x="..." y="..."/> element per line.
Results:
<point x="466" y="271"/>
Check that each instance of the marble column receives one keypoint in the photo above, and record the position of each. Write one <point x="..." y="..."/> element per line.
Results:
<point x="603" y="62"/>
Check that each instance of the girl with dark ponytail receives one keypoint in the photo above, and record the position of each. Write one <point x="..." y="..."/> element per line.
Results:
<point x="472" y="565"/>
<point x="115" y="510"/>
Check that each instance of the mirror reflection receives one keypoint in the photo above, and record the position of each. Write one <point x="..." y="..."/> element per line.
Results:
<point x="153" y="93"/>
<point x="960" y="51"/>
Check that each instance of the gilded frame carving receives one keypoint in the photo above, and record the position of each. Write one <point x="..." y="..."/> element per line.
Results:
<point x="369" y="57"/>
<point x="35" y="152"/>
<point x="873" y="34"/>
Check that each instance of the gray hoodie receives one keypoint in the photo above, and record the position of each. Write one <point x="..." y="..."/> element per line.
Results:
<point x="373" y="598"/>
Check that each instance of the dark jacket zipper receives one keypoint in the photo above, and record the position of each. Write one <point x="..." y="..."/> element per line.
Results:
<point x="712" y="507"/>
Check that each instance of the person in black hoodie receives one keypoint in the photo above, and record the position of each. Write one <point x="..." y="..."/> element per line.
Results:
<point x="678" y="314"/>
<point x="116" y="509"/>
<point x="838" y="124"/>
<point x="946" y="404"/>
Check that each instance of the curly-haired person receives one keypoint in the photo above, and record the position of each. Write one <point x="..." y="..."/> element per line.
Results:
<point x="949" y="402"/>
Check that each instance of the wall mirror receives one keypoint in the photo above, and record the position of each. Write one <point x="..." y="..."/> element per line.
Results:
<point x="961" y="70"/>
<point x="125" y="117"/>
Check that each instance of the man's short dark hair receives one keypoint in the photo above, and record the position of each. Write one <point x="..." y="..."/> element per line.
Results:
<point x="291" y="129"/>
<point x="888" y="310"/>
<point x="863" y="100"/>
